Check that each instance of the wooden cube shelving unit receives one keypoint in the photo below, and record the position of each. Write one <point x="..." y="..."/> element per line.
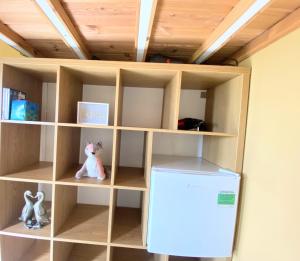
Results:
<point x="108" y="232"/>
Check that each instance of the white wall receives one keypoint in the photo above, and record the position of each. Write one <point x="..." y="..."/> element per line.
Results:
<point x="269" y="227"/>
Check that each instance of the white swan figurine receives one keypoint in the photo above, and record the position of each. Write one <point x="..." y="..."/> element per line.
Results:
<point x="27" y="211"/>
<point x="40" y="211"/>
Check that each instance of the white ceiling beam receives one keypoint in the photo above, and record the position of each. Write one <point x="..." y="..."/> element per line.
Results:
<point x="58" y="17"/>
<point x="240" y="16"/>
<point x="15" y="41"/>
<point x="144" y="27"/>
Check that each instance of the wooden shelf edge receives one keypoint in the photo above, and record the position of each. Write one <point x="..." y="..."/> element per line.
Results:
<point x="27" y="180"/>
<point x="78" y="241"/>
<point x="200" y="133"/>
<point x="43" y="123"/>
<point x="93" y="126"/>
<point x="24" y="235"/>
<point x="127" y="246"/>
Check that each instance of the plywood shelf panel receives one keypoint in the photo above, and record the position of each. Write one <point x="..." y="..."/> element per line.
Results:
<point x="39" y="172"/>
<point x="130" y="178"/>
<point x="42" y="123"/>
<point x="77" y="125"/>
<point x="189" y="132"/>
<point x="128" y="254"/>
<point x="69" y="179"/>
<point x="40" y="251"/>
<point x="86" y="223"/>
<point x="127" y="228"/>
<point x="82" y="252"/>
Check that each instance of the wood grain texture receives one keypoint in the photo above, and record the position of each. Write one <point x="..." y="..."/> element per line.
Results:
<point x="239" y="9"/>
<point x="27" y="250"/>
<point x="86" y="223"/>
<point x="38" y="172"/>
<point x="171" y="103"/>
<point x="280" y="29"/>
<point x="127" y="227"/>
<point x="19" y="41"/>
<point x="264" y="21"/>
<point x="180" y="27"/>
<point x="130" y="178"/>
<point x="70" y="92"/>
<point x="57" y="7"/>
<point x="68" y="140"/>
<point x="64" y="203"/>
<point x="25" y="147"/>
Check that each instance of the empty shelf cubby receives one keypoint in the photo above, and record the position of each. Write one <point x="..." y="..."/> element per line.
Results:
<point x="131" y="157"/>
<point x="88" y="85"/>
<point x="128" y="219"/>
<point x="145" y="99"/>
<point x="81" y="214"/>
<point x="39" y="85"/>
<point x="27" y="152"/>
<point x="66" y="251"/>
<point x="71" y="142"/>
<point x="24" y="249"/>
<point x="14" y="202"/>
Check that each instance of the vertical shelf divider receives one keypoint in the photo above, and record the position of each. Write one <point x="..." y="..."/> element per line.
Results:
<point x="171" y="103"/>
<point x="147" y="173"/>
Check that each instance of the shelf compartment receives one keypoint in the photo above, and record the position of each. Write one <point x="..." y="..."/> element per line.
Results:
<point x="127" y="228"/>
<point x="130" y="254"/>
<point x="85" y="84"/>
<point x="39" y="84"/>
<point x="130" y="178"/>
<point x="68" y="179"/>
<point x="131" y="159"/>
<point x="14" y="191"/>
<point x="26" y="250"/>
<point x="151" y="93"/>
<point x="27" y="152"/>
<point x="220" y="103"/>
<point x="65" y="251"/>
<point x="75" y="139"/>
<point x="177" y="144"/>
<point x="81" y="214"/>
<point x="127" y="219"/>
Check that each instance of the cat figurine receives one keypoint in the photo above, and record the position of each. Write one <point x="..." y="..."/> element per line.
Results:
<point x="93" y="166"/>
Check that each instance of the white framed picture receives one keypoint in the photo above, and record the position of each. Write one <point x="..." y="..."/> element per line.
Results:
<point x="92" y="113"/>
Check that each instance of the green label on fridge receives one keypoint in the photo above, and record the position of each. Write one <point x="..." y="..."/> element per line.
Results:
<point x="226" y="198"/>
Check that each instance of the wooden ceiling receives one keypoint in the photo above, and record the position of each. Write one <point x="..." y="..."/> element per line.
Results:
<point x="108" y="28"/>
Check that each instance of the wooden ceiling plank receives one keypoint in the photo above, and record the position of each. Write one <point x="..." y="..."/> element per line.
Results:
<point x="17" y="42"/>
<point x="282" y="28"/>
<point x="80" y="49"/>
<point x="144" y="27"/>
<point x="238" y="11"/>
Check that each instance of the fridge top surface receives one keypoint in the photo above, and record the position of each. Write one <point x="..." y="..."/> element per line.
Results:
<point x="188" y="165"/>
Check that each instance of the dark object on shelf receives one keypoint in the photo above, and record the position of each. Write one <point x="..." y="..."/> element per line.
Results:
<point x="192" y="124"/>
<point x="158" y="58"/>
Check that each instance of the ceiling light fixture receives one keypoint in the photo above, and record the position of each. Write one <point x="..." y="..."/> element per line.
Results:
<point x="239" y="23"/>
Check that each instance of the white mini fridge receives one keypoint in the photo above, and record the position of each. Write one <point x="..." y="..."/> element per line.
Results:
<point x="192" y="210"/>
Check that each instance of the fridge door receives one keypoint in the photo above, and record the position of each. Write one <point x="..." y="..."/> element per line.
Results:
<point x="192" y="215"/>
